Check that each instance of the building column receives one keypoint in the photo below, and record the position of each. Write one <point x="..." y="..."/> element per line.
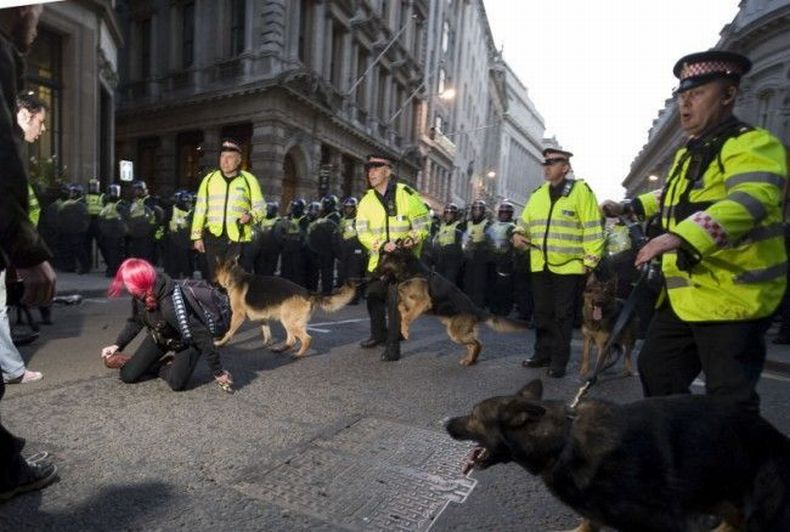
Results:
<point x="166" y="164"/>
<point x="210" y="145"/>
<point x="268" y="154"/>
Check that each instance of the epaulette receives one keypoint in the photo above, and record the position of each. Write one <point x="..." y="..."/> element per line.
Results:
<point x="408" y="189"/>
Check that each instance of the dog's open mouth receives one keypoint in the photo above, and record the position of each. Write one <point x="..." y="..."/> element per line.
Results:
<point x="478" y="458"/>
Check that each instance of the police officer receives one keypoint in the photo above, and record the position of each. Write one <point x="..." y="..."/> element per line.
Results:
<point x="144" y="217"/>
<point x="308" y="226"/>
<point x="94" y="200"/>
<point x="73" y="221"/>
<point x="499" y="234"/>
<point x="448" y="254"/>
<point x="352" y="257"/>
<point x="477" y="263"/>
<point x="388" y="212"/>
<point x="722" y="252"/>
<point x="292" y="238"/>
<point x="265" y="247"/>
<point x="112" y="228"/>
<point x="323" y="239"/>
<point x="229" y="201"/>
<point x="562" y="225"/>
<point x="177" y="251"/>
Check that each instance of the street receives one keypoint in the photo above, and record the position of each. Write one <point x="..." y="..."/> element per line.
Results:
<point x="336" y="441"/>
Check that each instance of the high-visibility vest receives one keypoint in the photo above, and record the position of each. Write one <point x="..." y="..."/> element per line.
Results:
<point x="730" y="220"/>
<point x="33" y="206"/>
<point x="267" y="224"/>
<point x="95" y="203"/>
<point x="567" y="235"/>
<point x="221" y="202"/>
<point x="476" y="232"/>
<point x="447" y="235"/>
<point x="499" y="234"/>
<point x="348" y="228"/>
<point x="409" y="218"/>
<point x="179" y="220"/>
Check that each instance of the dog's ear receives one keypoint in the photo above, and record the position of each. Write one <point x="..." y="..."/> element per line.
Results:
<point x="521" y="412"/>
<point x="533" y="390"/>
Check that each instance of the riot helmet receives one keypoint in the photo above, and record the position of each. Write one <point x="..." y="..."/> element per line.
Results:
<point x="505" y="211"/>
<point x="451" y="212"/>
<point x="272" y="207"/>
<point x="297" y="208"/>
<point x="314" y="209"/>
<point x="350" y="207"/>
<point x="94" y="187"/>
<point x="478" y="210"/>
<point x="76" y="191"/>
<point x="329" y="203"/>
<point x="113" y="192"/>
<point x="139" y="188"/>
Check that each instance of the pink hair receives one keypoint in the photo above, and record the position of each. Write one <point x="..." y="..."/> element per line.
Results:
<point x="138" y="277"/>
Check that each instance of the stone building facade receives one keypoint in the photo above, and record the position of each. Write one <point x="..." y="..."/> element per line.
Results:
<point x="761" y="31"/>
<point x="309" y="87"/>
<point x="72" y="66"/>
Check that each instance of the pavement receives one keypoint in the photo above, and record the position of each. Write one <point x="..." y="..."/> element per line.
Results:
<point x="95" y="284"/>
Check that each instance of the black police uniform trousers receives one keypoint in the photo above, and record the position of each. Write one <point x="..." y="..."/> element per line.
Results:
<point x="477" y="278"/>
<point x="146" y="363"/>
<point x="382" y="301"/>
<point x="221" y="248"/>
<point x="555" y="301"/>
<point x="730" y="354"/>
<point x="449" y="261"/>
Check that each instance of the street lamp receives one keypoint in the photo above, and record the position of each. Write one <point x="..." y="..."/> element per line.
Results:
<point x="448" y="94"/>
<point x="491" y="174"/>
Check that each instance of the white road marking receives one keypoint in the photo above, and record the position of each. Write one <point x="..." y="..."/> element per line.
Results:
<point x="318" y="330"/>
<point x="357" y="320"/>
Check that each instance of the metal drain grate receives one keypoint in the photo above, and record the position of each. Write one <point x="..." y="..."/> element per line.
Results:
<point x="374" y="475"/>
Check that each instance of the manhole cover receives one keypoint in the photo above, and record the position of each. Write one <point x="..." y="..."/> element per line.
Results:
<point x="374" y="475"/>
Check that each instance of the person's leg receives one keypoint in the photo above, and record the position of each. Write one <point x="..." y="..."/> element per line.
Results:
<point x="668" y="362"/>
<point x="376" y="301"/>
<point x="544" y="317"/>
<point x="144" y="363"/>
<point x="177" y="373"/>
<point x="565" y="296"/>
<point x="392" y="352"/>
<point x="733" y="356"/>
<point x="11" y="363"/>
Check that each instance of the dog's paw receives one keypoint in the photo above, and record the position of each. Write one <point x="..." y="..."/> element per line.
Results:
<point x="467" y="361"/>
<point x="221" y="341"/>
<point x="279" y="348"/>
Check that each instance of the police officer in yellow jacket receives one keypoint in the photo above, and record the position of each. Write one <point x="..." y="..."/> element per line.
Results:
<point x="722" y="253"/>
<point x="229" y="201"/>
<point x="388" y="212"/>
<point x="562" y="225"/>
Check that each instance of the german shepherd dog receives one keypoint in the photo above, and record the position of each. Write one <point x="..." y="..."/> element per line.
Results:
<point x="600" y="310"/>
<point x="653" y="465"/>
<point x="261" y="298"/>
<point x="421" y="290"/>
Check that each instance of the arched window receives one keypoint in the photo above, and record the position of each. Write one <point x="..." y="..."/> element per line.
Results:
<point x="764" y="109"/>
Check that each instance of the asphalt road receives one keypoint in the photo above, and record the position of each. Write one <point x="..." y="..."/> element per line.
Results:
<point x="336" y="441"/>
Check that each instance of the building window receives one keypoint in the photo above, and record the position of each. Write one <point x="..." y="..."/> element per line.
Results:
<point x="764" y="110"/>
<point x="382" y="96"/>
<point x="188" y="153"/>
<point x="304" y="25"/>
<point x="187" y="34"/>
<point x="145" y="48"/>
<point x="237" y="18"/>
<point x="336" y="66"/>
<point x="385" y="10"/>
<point x="361" y="90"/>
<point x="44" y="77"/>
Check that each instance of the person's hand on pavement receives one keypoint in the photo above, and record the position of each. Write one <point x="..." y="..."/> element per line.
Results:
<point x="39" y="282"/>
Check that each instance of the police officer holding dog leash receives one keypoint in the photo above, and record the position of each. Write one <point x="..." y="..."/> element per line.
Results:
<point x="722" y="252"/>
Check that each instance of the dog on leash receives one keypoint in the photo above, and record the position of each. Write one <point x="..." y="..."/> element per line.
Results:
<point x="600" y="310"/>
<point x="263" y="298"/>
<point x="421" y="291"/>
<point x="652" y="465"/>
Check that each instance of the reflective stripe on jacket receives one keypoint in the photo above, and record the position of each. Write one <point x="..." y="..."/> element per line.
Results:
<point x="375" y="227"/>
<point x="568" y="233"/>
<point x="733" y="226"/>
<point x="221" y="202"/>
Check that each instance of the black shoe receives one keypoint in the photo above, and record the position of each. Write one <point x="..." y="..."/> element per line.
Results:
<point x="391" y="354"/>
<point x="555" y="373"/>
<point x="370" y="342"/>
<point x="34" y="476"/>
<point x="535" y="363"/>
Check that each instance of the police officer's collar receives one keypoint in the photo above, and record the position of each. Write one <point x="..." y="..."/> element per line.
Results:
<point x="696" y="142"/>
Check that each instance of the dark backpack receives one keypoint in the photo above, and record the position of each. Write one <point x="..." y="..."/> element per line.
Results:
<point x="209" y="304"/>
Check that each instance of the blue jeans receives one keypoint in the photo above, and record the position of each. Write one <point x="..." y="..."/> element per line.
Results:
<point x="11" y="362"/>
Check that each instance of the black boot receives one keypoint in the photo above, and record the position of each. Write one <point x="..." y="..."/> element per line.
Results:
<point x="391" y="353"/>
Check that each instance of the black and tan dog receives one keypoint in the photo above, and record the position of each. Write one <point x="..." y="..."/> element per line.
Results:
<point x="420" y="291"/>
<point x="653" y="465"/>
<point x="600" y="310"/>
<point x="262" y="298"/>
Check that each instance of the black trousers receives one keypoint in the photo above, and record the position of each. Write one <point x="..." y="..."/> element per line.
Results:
<point x="477" y="280"/>
<point x="555" y="302"/>
<point x="12" y="464"/>
<point x="220" y="248"/>
<point x="382" y="301"/>
<point x="449" y="265"/>
<point x="292" y="263"/>
<point x="113" y="250"/>
<point x="146" y="364"/>
<point x="731" y="354"/>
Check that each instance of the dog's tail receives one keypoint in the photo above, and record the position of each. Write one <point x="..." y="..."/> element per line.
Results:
<point x="500" y="324"/>
<point x="336" y="301"/>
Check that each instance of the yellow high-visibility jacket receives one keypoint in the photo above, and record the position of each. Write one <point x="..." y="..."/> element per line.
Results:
<point x="94" y="202"/>
<point x="221" y="202"/>
<point x="33" y="206"/>
<point x="408" y="217"/>
<point x="731" y="222"/>
<point x="566" y="235"/>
